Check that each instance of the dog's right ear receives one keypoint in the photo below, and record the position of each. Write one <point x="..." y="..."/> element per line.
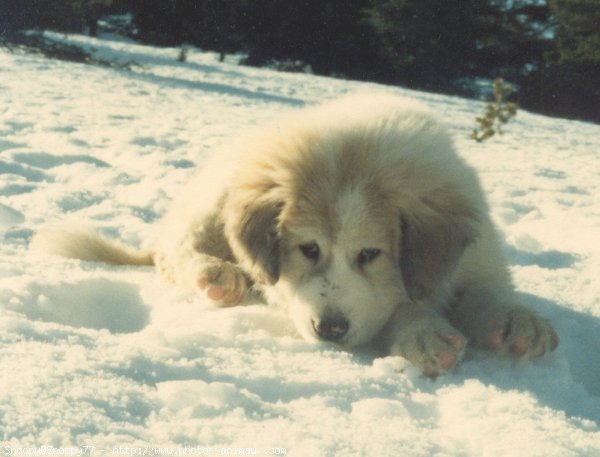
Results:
<point x="436" y="229"/>
<point x="252" y="233"/>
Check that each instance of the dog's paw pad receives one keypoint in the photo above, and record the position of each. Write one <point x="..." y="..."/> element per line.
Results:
<point x="433" y="365"/>
<point x="224" y="283"/>
<point x="458" y="342"/>
<point x="435" y="347"/>
<point x="203" y="283"/>
<point x="231" y="299"/>
<point x="447" y="360"/>
<point x="496" y="338"/>
<point x="216" y="292"/>
<point x="219" y="295"/>
<point x="520" y="347"/>
<point x="523" y="335"/>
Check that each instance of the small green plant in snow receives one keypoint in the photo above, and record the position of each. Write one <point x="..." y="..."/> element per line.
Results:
<point x="497" y="113"/>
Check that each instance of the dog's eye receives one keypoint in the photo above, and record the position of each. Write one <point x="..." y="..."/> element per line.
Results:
<point x="366" y="256"/>
<point x="311" y="251"/>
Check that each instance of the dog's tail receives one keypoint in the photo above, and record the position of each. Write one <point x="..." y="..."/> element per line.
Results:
<point x="85" y="243"/>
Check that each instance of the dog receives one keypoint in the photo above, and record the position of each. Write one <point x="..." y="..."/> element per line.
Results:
<point x="359" y="218"/>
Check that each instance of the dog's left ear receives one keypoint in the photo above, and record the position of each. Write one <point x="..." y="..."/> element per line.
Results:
<point x="436" y="229"/>
<point x="251" y="230"/>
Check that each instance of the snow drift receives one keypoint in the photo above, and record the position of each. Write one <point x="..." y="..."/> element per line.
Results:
<point x="107" y="356"/>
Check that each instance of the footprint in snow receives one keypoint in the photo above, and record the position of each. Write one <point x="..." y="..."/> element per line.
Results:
<point x="46" y="161"/>
<point x="9" y="217"/>
<point x="92" y="303"/>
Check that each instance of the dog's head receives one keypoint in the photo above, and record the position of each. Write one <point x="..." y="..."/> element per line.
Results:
<point x="342" y="234"/>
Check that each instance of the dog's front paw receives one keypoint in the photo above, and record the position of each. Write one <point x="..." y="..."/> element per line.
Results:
<point x="431" y="344"/>
<point x="224" y="282"/>
<point x="522" y="334"/>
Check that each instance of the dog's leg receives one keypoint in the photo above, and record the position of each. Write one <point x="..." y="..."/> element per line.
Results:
<point x="492" y="318"/>
<point x="424" y="338"/>
<point x="199" y="258"/>
<point x="485" y="307"/>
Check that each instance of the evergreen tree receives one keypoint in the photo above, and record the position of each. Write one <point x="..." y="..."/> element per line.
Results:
<point x="208" y="24"/>
<point x="577" y="30"/>
<point x="518" y="40"/>
<point x="61" y="15"/>
<point x="568" y="85"/>
<point x="327" y="34"/>
<point x="428" y="43"/>
<point x="431" y="43"/>
<point x="220" y="25"/>
<point x="161" y="21"/>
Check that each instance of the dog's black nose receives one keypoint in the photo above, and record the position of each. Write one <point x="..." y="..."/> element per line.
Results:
<point x="331" y="328"/>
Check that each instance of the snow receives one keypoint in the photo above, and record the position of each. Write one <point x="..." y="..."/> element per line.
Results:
<point x="112" y="357"/>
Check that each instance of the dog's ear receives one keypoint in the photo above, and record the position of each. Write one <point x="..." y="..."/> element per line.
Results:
<point x="252" y="233"/>
<point x="436" y="229"/>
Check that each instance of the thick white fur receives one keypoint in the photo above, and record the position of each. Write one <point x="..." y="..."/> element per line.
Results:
<point x="369" y="172"/>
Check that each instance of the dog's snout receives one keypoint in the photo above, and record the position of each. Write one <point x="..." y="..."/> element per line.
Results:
<point x="331" y="328"/>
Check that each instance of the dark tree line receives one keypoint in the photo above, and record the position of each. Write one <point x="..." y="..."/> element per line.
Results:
<point x="549" y="48"/>
<point x="63" y="15"/>
<point x="567" y="83"/>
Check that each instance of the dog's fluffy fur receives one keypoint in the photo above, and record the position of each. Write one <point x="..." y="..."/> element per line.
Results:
<point x="359" y="218"/>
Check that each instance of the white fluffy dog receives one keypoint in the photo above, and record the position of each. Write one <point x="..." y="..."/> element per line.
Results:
<point x="359" y="218"/>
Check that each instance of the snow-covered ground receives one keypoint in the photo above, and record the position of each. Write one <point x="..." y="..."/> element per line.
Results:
<point x="112" y="356"/>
